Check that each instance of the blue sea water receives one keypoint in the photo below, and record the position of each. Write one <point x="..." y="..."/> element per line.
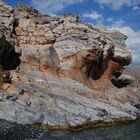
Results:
<point x="118" y="132"/>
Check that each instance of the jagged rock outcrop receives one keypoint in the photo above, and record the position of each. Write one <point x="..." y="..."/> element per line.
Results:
<point x="6" y="14"/>
<point x="64" y="78"/>
<point x="76" y="50"/>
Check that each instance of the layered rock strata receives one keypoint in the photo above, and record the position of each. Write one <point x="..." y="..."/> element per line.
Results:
<point x="61" y="71"/>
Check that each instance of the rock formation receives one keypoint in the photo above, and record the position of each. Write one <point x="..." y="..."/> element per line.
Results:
<point x="61" y="71"/>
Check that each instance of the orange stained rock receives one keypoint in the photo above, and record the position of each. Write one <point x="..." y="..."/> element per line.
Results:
<point x="18" y="31"/>
<point x="9" y="88"/>
<point x="48" y="70"/>
<point x="104" y="82"/>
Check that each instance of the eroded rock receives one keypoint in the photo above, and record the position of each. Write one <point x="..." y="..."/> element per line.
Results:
<point x="126" y="79"/>
<point x="65" y="70"/>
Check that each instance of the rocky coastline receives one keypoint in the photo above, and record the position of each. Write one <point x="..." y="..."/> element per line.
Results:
<point x="61" y="73"/>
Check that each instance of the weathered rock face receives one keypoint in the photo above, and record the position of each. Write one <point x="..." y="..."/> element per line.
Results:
<point x="6" y="14"/>
<point x="74" y="49"/>
<point x="64" y="79"/>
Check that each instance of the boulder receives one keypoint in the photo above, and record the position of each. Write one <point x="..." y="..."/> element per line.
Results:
<point x="126" y="79"/>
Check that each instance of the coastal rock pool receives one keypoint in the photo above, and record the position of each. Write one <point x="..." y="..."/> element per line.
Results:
<point x="118" y="132"/>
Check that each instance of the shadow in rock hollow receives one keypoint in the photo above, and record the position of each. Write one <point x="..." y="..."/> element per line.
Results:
<point x="9" y="59"/>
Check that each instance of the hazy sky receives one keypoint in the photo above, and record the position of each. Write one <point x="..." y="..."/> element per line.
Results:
<point x="123" y="15"/>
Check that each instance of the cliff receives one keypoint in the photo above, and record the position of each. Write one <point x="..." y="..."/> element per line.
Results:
<point x="62" y="73"/>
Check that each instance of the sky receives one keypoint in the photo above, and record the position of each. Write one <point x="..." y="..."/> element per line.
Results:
<point x="123" y="15"/>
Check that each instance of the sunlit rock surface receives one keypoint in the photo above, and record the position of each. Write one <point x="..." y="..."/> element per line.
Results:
<point x="65" y="73"/>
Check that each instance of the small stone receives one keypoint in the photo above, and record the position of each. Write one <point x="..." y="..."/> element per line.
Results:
<point x="28" y="102"/>
<point x="12" y="97"/>
<point x="102" y="113"/>
<point x="6" y="77"/>
<point x="22" y="92"/>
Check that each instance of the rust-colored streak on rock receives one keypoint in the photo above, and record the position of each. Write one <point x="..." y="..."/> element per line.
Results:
<point x="9" y="88"/>
<point x="104" y="82"/>
<point x="50" y="71"/>
<point x="83" y="72"/>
